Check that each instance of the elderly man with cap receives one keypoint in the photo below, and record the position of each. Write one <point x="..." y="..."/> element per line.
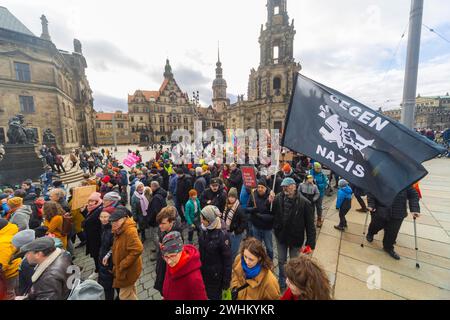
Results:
<point x="50" y="278"/>
<point x="126" y="254"/>
<point x="260" y="215"/>
<point x="215" y="195"/>
<point x="183" y="279"/>
<point x="293" y="218"/>
<point x="19" y="213"/>
<point x="321" y="181"/>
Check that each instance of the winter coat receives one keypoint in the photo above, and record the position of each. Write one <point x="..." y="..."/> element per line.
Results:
<point x="21" y="217"/>
<point x="218" y="198"/>
<point x="186" y="281"/>
<point x="215" y="255"/>
<point x="321" y="181"/>
<point x="127" y="255"/>
<point x="184" y="185"/>
<point x="239" y="222"/>
<point x="343" y="194"/>
<point x="136" y="210"/>
<point x="235" y="180"/>
<point x="192" y="216"/>
<point x="263" y="287"/>
<point x="165" y="178"/>
<point x="7" y="251"/>
<point x="77" y="219"/>
<point x="93" y="230"/>
<point x="105" y="275"/>
<point x="200" y="184"/>
<point x="160" y="263"/>
<point x="309" y="191"/>
<point x="50" y="278"/>
<point x="243" y="197"/>
<point x="292" y="218"/>
<point x="155" y="206"/>
<point x="260" y="216"/>
<point x="55" y="226"/>
<point x="398" y="210"/>
<point x="26" y="271"/>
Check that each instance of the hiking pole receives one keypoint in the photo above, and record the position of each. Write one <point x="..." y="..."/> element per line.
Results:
<point x="415" y="241"/>
<point x="364" y="229"/>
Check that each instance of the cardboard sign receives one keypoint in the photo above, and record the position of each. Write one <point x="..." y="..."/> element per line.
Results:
<point x="81" y="196"/>
<point x="249" y="177"/>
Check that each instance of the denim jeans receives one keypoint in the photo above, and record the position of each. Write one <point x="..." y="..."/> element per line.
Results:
<point x="235" y="240"/>
<point x="264" y="236"/>
<point x="318" y="206"/>
<point x="282" y="259"/>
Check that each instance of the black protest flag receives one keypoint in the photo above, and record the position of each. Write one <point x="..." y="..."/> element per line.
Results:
<point x="361" y="145"/>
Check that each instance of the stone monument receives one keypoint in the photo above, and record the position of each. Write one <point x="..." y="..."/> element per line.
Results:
<point x="20" y="160"/>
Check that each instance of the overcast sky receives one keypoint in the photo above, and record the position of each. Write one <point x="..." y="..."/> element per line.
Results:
<point x="354" y="46"/>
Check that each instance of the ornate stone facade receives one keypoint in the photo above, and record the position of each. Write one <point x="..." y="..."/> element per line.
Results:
<point x="431" y="112"/>
<point x="47" y="85"/>
<point x="270" y="86"/>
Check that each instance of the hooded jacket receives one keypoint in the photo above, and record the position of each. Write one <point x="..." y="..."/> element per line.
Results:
<point x="235" y="179"/>
<point x="7" y="251"/>
<point x="186" y="283"/>
<point x="343" y="194"/>
<point x="127" y="255"/>
<point x="321" y="181"/>
<point x="21" y="217"/>
<point x="184" y="185"/>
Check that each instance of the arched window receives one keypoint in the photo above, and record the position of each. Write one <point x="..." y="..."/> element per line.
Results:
<point x="276" y="83"/>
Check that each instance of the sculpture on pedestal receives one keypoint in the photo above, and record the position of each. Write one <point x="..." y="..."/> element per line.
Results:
<point x="18" y="133"/>
<point x="48" y="137"/>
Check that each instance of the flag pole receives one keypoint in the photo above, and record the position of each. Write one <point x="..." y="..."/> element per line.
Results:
<point x="412" y="64"/>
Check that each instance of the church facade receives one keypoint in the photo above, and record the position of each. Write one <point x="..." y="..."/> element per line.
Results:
<point x="270" y="85"/>
<point x="47" y="85"/>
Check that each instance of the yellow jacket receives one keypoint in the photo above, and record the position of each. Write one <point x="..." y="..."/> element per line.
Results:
<point x="55" y="226"/>
<point x="263" y="287"/>
<point x="7" y="250"/>
<point x="77" y="218"/>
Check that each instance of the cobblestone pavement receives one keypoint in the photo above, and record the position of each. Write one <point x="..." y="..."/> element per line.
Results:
<point x="146" y="281"/>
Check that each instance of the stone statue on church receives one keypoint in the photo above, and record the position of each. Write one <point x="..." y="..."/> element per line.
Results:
<point x="18" y="133"/>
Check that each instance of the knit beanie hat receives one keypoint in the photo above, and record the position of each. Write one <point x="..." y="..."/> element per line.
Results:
<point x="15" y="202"/>
<point x="317" y="165"/>
<point x="262" y="182"/>
<point x="233" y="193"/>
<point x="23" y="237"/>
<point x="3" y="223"/>
<point x="210" y="213"/>
<point x="287" y="168"/>
<point x="106" y="179"/>
<point x="112" y="196"/>
<point x="342" y="183"/>
<point x="172" y="243"/>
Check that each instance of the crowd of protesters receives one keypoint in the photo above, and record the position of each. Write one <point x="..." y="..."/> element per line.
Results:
<point x="211" y="236"/>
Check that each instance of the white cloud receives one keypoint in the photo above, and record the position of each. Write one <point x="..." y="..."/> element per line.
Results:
<point x="347" y="44"/>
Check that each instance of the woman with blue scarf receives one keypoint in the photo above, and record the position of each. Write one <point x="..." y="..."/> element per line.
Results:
<point x="252" y="277"/>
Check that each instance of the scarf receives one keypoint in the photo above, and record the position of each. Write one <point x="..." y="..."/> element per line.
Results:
<point x="250" y="273"/>
<point x="92" y="207"/>
<point x="40" y="268"/>
<point x="144" y="202"/>
<point x="216" y="224"/>
<point x="228" y="215"/>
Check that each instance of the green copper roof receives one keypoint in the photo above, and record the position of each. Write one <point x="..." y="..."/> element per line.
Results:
<point x="10" y="22"/>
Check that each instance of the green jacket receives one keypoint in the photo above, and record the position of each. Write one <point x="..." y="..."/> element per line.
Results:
<point x="189" y="211"/>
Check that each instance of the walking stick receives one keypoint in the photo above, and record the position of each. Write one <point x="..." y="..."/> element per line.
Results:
<point x="364" y="230"/>
<point x="415" y="241"/>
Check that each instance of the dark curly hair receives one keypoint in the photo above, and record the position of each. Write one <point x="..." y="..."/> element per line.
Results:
<point x="256" y="248"/>
<point x="51" y="209"/>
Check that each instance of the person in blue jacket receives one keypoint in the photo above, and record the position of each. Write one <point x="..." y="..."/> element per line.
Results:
<point x="343" y="203"/>
<point x="322" y="183"/>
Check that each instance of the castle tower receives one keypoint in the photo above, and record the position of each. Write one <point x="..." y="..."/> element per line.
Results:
<point x="219" y="87"/>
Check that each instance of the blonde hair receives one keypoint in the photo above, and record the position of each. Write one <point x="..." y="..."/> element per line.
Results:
<point x="58" y="192"/>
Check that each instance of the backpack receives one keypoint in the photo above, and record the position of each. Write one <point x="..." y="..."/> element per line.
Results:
<point x="86" y="290"/>
<point x="67" y="224"/>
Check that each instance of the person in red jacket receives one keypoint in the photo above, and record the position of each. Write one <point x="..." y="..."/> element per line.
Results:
<point x="306" y="280"/>
<point x="183" y="280"/>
